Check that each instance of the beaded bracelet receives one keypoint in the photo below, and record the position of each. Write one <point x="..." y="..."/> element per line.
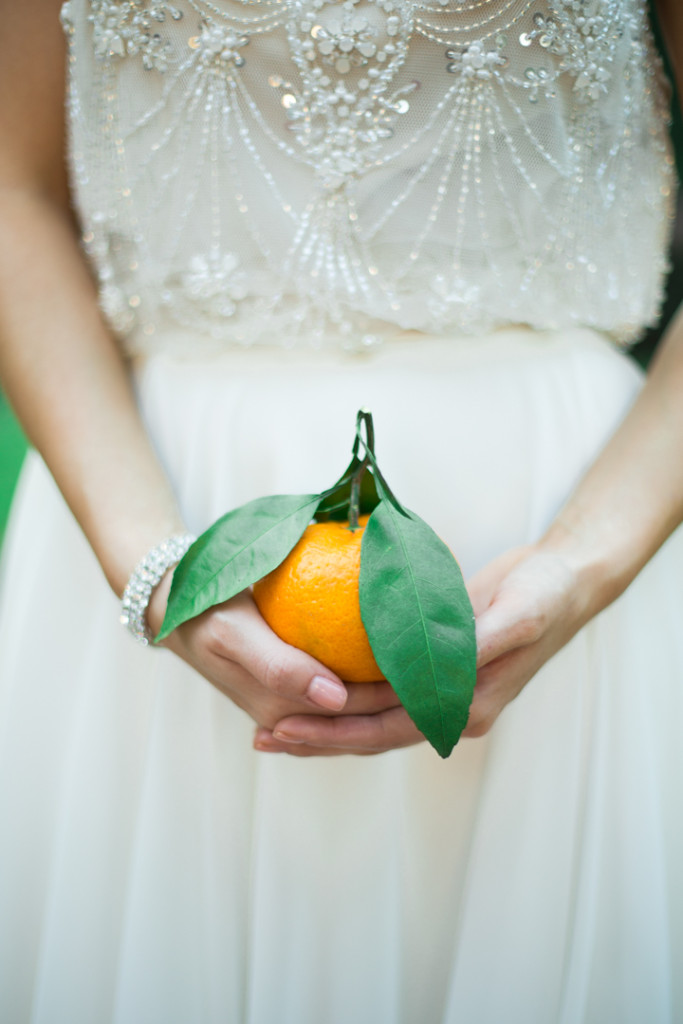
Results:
<point x="144" y="578"/>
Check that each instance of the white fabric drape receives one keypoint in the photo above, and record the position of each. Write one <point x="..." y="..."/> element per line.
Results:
<point x="154" y="869"/>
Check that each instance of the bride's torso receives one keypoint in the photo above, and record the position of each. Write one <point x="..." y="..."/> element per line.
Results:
<point x="295" y="171"/>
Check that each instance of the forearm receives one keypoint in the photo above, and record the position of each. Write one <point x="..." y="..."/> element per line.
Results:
<point x="631" y="499"/>
<point x="65" y="377"/>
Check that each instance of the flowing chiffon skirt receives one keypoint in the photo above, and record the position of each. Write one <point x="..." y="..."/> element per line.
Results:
<point x="155" y="869"/>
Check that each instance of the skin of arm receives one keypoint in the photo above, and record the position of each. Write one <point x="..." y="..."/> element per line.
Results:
<point x="70" y="387"/>
<point x="531" y="601"/>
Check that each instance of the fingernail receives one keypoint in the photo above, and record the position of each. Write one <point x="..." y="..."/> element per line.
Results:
<point x="264" y="740"/>
<point x="326" y="693"/>
<point x="286" y="737"/>
<point x="266" y="748"/>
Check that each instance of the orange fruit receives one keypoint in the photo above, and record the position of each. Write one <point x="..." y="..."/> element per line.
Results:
<point x="311" y="600"/>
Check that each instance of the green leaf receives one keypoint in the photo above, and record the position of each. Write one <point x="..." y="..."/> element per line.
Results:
<point x="238" y="549"/>
<point x="381" y="485"/>
<point x="419" y="620"/>
<point x="335" y="505"/>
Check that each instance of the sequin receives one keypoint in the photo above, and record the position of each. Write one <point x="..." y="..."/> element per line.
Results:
<point x="316" y="170"/>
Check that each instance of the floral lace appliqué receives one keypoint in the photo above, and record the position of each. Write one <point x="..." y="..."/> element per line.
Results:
<point x="131" y="27"/>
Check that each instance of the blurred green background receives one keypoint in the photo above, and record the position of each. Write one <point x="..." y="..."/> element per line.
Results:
<point x="12" y="449"/>
<point x="13" y="443"/>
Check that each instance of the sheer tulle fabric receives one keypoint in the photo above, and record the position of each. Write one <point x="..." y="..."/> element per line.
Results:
<point x="154" y="869"/>
<point x="275" y="170"/>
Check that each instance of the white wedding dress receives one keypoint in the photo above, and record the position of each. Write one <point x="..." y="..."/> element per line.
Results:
<point x="454" y="212"/>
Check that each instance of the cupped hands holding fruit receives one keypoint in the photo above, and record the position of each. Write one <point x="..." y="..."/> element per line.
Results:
<point x="394" y="606"/>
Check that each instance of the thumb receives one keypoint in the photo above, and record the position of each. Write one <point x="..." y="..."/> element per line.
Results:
<point x="483" y="585"/>
<point x="505" y="625"/>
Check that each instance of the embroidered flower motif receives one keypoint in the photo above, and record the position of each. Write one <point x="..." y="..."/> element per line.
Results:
<point x="584" y="37"/>
<point x="128" y="28"/>
<point x="219" y="45"/>
<point x="450" y="294"/>
<point x="337" y="126"/>
<point x="475" y="61"/>
<point x="592" y="81"/>
<point x="340" y="122"/>
<point x="216" y="282"/>
<point x="349" y="38"/>
<point x="342" y="36"/>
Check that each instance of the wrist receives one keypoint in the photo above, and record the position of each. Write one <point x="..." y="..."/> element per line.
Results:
<point x="144" y="581"/>
<point x="120" y="546"/>
<point x="602" y="559"/>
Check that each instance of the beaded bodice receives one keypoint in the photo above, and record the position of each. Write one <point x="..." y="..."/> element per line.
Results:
<point x="296" y="171"/>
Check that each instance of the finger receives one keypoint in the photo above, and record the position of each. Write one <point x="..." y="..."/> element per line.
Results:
<point x="384" y="731"/>
<point x="284" y="670"/>
<point x="369" y="698"/>
<point x="498" y="683"/>
<point x="265" y="743"/>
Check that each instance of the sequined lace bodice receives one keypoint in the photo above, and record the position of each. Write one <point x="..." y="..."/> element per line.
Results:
<point x="322" y="172"/>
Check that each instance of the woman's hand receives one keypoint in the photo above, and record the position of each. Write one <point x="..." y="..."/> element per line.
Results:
<point x="235" y="650"/>
<point x="527" y="605"/>
<point x="355" y="731"/>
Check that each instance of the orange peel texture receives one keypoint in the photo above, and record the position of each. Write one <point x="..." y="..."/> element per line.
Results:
<point x="311" y="600"/>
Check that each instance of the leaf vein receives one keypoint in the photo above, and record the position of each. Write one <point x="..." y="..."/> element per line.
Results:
<point x="255" y="539"/>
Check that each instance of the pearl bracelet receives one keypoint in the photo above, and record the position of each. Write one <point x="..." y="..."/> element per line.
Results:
<point x="144" y="578"/>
